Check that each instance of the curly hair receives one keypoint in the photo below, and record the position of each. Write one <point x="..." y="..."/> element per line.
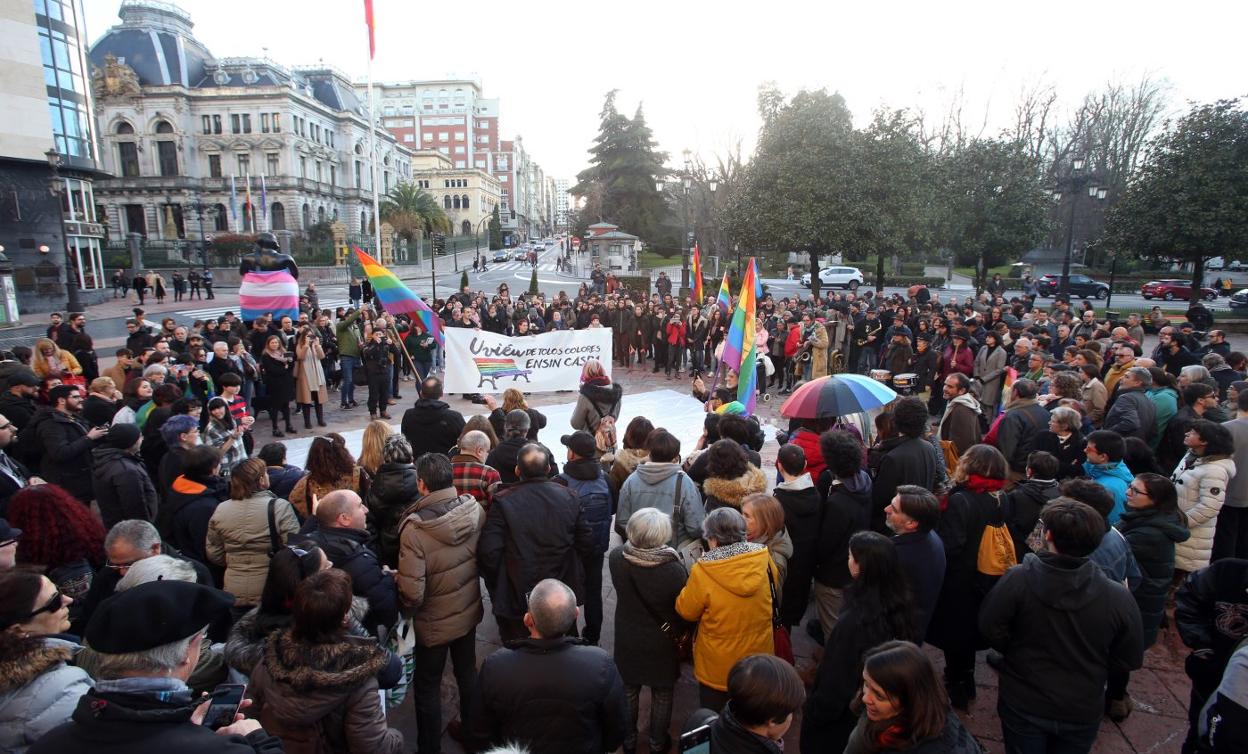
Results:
<point x="328" y="461"/>
<point x="57" y="530"/>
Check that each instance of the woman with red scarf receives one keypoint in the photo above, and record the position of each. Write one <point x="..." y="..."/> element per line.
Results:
<point x="974" y="503"/>
<point x="904" y="707"/>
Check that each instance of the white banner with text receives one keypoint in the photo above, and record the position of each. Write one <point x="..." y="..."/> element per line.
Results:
<point x="484" y="362"/>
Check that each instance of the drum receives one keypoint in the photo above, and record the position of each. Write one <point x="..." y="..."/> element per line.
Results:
<point x="881" y="375"/>
<point x="905" y="383"/>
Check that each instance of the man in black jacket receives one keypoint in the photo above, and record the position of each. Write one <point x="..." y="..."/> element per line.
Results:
<point x="17" y="402"/>
<point x="1209" y="611"/>
<point x="1058" y="612"/>
<point x="912" y="516"/>
<point x="908" y="459"/>
<point x="432" y="426"/>
<point x="547" y="691"/>
<point x="65" y="442"/>
<point x="120" y="482"/>
<point x="534" y="531"/>
<point x="847" y="511"/>
<point x="341" y="530"/>
<point x="1024" y="420"/>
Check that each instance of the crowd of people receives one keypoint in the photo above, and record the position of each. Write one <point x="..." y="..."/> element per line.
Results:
<point x="1044" y="489"/>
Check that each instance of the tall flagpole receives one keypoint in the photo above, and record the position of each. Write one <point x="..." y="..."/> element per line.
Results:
<point x="372" y="137"/>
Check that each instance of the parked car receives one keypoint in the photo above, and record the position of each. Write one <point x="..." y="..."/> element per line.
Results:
<point x="1174" y="289"/>
<point x="845" y="277"/>
<point x="1239" y="300"/>
<point x="501" y="255"/>
<point x="1080" y="285"/>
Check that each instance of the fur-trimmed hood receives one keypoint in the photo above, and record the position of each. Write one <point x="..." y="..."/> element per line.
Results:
<point x="337" y="667"/>
<point x="24" y="660"/>
<point x="733" y="491"/>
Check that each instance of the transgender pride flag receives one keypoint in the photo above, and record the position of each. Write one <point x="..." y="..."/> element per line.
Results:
<point x="264" y="292"/>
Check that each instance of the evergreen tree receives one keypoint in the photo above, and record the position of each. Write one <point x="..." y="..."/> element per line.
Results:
<point x="624" y="167"/>
<point x="463" y="279"/>
<point x="533" y="290"/>
<point x="496" y="230"/>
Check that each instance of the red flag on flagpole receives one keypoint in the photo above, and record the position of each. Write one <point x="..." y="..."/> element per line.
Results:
<point x="368" y="19"/>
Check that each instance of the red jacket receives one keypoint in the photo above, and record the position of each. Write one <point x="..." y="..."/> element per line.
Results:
<point x="791" y="343"/>
<point x="808" y="441"/>
<point x="676" y="333"/>
<point x="964" y="362"/>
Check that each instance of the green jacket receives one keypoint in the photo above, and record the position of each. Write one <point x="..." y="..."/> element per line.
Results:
<point x="348" y="336"/>
<point x="1167" y="403"/>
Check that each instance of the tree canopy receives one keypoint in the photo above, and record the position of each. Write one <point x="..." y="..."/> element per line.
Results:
<point x="412" y="210"/>
<point x="1189" y="200"/>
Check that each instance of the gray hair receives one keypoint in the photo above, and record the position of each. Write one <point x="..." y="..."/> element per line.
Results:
<point x="396" y="449"/>
<point x="1067" y="417"/>
<point x="157" y="661"/>
<point x="474" y="441"/>
<point x="157" y="568"/>
<point x="1141" y="375"/>
<point x="724" y="525"/>
<point x="1195" y="373"/>
<point x="151" y="369"/>
<point x="649" y="528"/>
<point x="516" y="423"/>
<point x="553" y="607"/>
<point x="139" y="534"/>
<point x="1212" y="361"/>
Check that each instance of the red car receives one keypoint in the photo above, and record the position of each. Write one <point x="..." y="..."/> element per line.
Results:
<point x="1174" y="289"/>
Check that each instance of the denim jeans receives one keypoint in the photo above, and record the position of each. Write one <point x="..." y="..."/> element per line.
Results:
<point x="348" y="363"/>
<point x="660" y="717"/>
<point x="429" y="662"/>
<point x="1027" y="734"/>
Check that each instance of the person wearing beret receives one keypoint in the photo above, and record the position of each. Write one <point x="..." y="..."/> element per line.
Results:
<point x="123" y="490"/>
<point x="148" y="639"/>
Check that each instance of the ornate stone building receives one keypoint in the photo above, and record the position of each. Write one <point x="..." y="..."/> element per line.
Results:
<point x="232" y="144"/>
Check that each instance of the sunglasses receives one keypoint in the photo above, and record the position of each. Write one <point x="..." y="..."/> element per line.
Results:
<point x="51" y="606"/>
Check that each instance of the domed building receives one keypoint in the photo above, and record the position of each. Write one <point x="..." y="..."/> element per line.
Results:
<point x="187" y="135"/>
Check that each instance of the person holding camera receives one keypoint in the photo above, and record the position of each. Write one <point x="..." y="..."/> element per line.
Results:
<point x="310" y="383"/>
<point x="377" y="355"/>
<point x="277" y="367"/>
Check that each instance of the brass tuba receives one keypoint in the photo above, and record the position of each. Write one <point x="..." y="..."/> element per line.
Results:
<point x="836" y="362"/>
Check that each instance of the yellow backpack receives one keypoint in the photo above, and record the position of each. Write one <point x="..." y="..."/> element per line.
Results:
<point x="996" y="546"/>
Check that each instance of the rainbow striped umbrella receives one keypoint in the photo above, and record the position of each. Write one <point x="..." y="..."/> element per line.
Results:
<point x="837" y="395"/>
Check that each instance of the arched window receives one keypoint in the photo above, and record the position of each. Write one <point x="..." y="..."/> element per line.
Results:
<point x="446" y="202"/>
<point x="125" y="129"/>
<point x="455" y="201"/>
<point x="320" y="214"/>
<point x="166" y="150"/>
<point x="307" y="216"/>
<point x="464" y="201"/>
<point x="221" y="218"/>
<point x="163" y="127"/>
<point x="359" y="149"/>
<point x="277" y="217"/>
<point x="363" y="222"/>
<point x="467" y="227"/>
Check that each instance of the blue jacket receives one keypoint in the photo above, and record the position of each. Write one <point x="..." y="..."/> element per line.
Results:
<point x="1115" y="477"/>
<point x="1116" y="559"/>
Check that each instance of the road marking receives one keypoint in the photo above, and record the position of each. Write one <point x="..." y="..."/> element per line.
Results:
<point x="220" y="310"/>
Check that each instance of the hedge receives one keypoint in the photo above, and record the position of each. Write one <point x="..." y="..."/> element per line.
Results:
<point x="903" y="281"/>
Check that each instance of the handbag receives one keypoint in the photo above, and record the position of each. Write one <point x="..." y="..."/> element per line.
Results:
<point x="402" y="642"/>
<point x="690" y="550"/>
<point x="682" y="639"/>
<point x="996" y="546"/>
<point x="783" y="643"/>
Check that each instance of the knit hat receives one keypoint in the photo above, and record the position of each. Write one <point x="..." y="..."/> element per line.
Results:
<point x="122" y="436"/>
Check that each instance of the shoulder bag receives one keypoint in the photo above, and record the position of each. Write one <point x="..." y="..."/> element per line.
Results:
<point x="780" y="635"/>
<point x="682" y="638"/>
<point x="275" y="540"/>
<point x="689" y="550"/>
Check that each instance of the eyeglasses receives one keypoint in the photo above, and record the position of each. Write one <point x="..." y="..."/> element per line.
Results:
<point x="1133" y="490"/>
<point x="8" y="542"/>
<point x="51" y="606"/>
<point x="119" y="566"/>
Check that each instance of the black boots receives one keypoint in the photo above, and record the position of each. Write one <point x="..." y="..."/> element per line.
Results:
<point x="320" y="415"/>
<point x="307" y="416"/>
<point x="277" y="432"/>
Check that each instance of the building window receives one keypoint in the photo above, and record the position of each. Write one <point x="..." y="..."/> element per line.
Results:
<point x="443" y="136"/>
<point x="277" y="217"/>
<point x="271" y="162"/>
<point x="333" y="175"/>
<point x="455" y="201"/>
<point x="236" y="124"/>
<point x="359" y="173"/>
<point x="459" y="150"/>
<point x="207" y="124"/>
<point x="459" y="136"/>
<point x="409" y="138"/>
<point x="303" y="167"/>
<point x="464" y="201"/>
<point x="166" y="151"/>
<point x="503" y="178"/>
<point x="128" y="157"/>
<point x="277" y="123"/>
<point x="444" y="150"/>
<point x="214" y="166"/>
<point x="318" y="171"/>
<point x="446" y="202"/>
<point x="502" y="163"/>
<point x="216" y="124"/>
<point x="244" y="164"/>
<point x="460" y="164"/>
<point x="246" y="123"/>
<point x="427" y="136"/>
<point x="264" y="123"/>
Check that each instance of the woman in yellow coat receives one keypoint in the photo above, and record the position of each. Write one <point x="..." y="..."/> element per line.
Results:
<point x="50" y="361"/>
<point x="729" y="597"/>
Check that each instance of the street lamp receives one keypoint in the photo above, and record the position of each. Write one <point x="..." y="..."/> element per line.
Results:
<point x="686" y="182"/>
<point x="57" y="188"/>
<point x="1074" y="184"/>
<point x="201" y="211"/>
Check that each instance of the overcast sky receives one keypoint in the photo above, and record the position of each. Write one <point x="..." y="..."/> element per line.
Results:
<point x="696" y="65"/>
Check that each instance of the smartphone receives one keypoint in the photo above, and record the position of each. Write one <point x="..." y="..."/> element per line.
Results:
<point x="696" y="741"/>
<point x="226" y="699"/>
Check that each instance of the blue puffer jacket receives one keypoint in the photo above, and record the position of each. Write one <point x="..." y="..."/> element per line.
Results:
<point x="1115" y="477"/>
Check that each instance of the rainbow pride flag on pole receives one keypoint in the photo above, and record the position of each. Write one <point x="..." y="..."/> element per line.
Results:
<point x="724" y="300"/>
<point x="740" y="352"/>
<point x="696" y="267"/>
<point x="396" y="297"/>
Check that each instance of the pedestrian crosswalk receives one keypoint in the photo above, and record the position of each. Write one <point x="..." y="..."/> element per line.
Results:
<point x="326" y="303"/>
<point x="505" y="266"/>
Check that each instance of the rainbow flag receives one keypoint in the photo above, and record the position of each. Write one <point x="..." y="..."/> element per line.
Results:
<point x="696" y="266"/>
<point x="739" y="347"/>
<point x="724" y="300"/>
<point x="396" y="297"/>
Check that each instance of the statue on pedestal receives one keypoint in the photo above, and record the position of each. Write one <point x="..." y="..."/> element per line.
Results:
<point x="270" y="281"/>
